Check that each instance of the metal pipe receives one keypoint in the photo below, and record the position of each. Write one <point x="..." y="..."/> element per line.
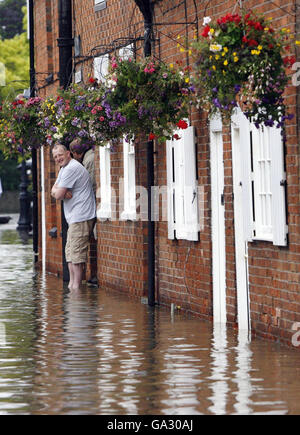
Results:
<point x="146" y="10"/>
<point x="65" y="43"/>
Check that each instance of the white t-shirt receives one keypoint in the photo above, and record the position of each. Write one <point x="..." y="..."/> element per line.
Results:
<point x="82" y="206"/>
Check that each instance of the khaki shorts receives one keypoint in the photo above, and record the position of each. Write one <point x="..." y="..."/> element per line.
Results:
<point x="78" y="238"/>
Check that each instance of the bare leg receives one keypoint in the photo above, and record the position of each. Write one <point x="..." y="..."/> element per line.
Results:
<point x="77" y="275"/>
<point x="71" y="273"/>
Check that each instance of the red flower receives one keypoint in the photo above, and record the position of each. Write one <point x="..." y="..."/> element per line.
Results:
<point x="151" y="136"/>
<point x="205" y="32"/>
<point x="176" y="136"/>
<point x="252" y="43"/>
<point x="289" y="60"/>
<point x="258" y="26"/>
<point x="182" y="124"/>
<point x="229" y="18"/>
<point x="91" y="80"/>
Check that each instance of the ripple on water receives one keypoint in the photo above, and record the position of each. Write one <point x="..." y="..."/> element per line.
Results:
<point x="101" y="352"/>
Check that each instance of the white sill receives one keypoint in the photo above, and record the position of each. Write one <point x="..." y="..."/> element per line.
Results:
<point x="128" y="215"/>
<point x="104" y="214"/>
<point x="261" y="239"/>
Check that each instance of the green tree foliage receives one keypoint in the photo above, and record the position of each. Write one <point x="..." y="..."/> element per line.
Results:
<point x="11" y="17"/>
<point x="14" y="59"/>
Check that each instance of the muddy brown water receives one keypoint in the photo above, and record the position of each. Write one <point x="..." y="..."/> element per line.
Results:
<point x="102" y="352"/>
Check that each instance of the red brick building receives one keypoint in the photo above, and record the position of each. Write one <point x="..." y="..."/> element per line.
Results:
<point x="230" y="249"/>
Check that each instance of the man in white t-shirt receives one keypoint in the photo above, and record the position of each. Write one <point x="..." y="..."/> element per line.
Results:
<point x="74" y="187"/>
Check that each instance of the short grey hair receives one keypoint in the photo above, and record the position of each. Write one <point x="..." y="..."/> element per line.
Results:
<point x="58" y="144"/>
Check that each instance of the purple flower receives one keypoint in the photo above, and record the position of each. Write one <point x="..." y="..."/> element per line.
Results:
<point x="75" y="122"/>
<point x="217" y="102"/>
<point x="237" y="88"/>
<point x="83" y="133"/>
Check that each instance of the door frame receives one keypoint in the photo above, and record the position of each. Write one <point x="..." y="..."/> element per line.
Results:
<point x="218" y="222"/>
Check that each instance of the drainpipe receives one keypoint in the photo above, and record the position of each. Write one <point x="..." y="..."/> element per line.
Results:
<point x="65" y="43"/>
<point x="146" y="10"/>
<point x="35" y="228"/>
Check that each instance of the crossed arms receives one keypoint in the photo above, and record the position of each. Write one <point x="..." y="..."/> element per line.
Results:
<point x="60" y="192"/>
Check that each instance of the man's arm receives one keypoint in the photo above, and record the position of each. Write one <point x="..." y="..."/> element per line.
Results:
<point x="60" y="193"/>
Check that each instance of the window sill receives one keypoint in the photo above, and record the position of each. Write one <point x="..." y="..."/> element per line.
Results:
<point x="128" y="216"/>
<point x="100" y="6"/>
<point x="104" y="214"/>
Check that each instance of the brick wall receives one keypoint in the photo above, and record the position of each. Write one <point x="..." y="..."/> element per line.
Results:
<point x="183" y="269"/>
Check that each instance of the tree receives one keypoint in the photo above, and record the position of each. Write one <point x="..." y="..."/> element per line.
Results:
<point x="11" y="17"/>
<point x="14" y="59"/>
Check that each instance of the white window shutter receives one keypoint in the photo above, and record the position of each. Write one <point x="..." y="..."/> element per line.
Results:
<point x="179" y="187"/>
<point x="129" y="188"/>
<point x="183" y="219"/>
<point x="101" y="64"/>
<point x="240" y="135"/>
<point x="190" y="185"/>
<point x="105" y="209"/>
<point x="171" y="188"/>
<point x="262" y="182"/>
<point x="278" y="180"/>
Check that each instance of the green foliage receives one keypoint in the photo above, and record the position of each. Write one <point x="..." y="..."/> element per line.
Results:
<point x="11" y="16"/>
<point x="14" y="56"/>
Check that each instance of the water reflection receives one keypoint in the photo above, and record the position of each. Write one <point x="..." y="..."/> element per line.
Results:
<point x="100" y="352"/>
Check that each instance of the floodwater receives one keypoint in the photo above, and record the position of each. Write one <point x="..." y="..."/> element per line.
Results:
<point x="105" y="353"/>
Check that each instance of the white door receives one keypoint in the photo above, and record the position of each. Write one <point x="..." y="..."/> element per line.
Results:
<point x="243" y="212"/>
<point x="218" y="222"/>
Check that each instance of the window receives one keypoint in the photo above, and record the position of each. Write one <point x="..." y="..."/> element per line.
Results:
<point x="101" y="64"/>
<point x="129" y="188"/>
<point x="100" y="5"/>
<point x="127" y="52"/>
<point x="105" y="209"/>
<point x="263" y="179"/>
<point x="183" y="219"/>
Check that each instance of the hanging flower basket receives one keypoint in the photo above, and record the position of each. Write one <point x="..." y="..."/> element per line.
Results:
<point x="81" y="112"/>
<point x="242" y="59"/>
<point x="151" y="96"/>
<point x="21" y="127"/>
<point x="67" y="116"/>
